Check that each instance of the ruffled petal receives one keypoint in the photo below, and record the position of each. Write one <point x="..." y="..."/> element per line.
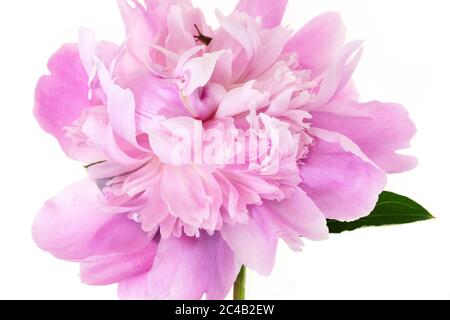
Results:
<point x="63" y="95"/>
<point x="120" y="102"/>
<point x="134" y="288"/>
<point x="114" y="268"/>
<point x="140" y="33"/>
<point x="198" y="71"/>
<point x="241" y="100"/>
<point x="270" y="11"/>
<point x="299" y="216"/>
<point x="379" y="129"/>
<point x="319" y="42"/>
<point x="186" y="269"/>
<point x="255" y="243"/>
<point x="155" y="96"/>
<point x="183" y="191"/>
<point x="71" y="226"/>
<point x="339" y="74"/>
<point x="340" y="179"/>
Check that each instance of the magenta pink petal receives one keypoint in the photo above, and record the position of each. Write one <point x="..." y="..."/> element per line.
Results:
<point x="379" y="129"/>
<point x="72" y="226"/>
<point x="134" y="288"/>
<point x="341" y="181"/>
<point x="117" y="267"/>
<point x="186" y="269"/>
<point x="254" y="243"/>
<point x="63" y="95"/>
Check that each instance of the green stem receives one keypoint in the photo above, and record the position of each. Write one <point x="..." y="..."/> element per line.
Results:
<point x="239" y="285"/>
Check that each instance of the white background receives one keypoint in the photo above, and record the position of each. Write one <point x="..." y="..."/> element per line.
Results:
<point x="406" y="60"/>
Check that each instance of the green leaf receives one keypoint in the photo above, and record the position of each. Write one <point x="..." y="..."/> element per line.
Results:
<point x="391" y="209"/>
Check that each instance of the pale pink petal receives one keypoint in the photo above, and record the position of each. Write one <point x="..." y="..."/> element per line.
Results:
<point x="280" y="105"/>
<point x="341" y="180"/>
<point x="233" y="28"/>
<point x="299" y="216"/>
<point x="101" y="135"/>
<point x="155" y="96"/>
<point x="212" y="189"/>
<point x="198" y="71"/>
<point x="319" y="42"/>
<point x="379" y="129"/>
<point x="180" y="37"/>
<point x="272" y="44"/>
<point x="120" y="102"/>
<point x="63" y="95"/>
<point x="114" y="268"/>
<point x="241" y="100"/>
<point x="270" y="11"/>
<point x="204" y="102"/>
<point x="186" y="269"/>
<point x="255" y="184"/>
<point x="348" y="92"/>
<point x="234" y="39"/>
<point x="338" y="75"/>
<point x="121" y="108"/>
<point x="233" y="202"/>
<point x="183" y="191"/>
<point x="255" y="242"/>
<point x="182" y="23"/>
<point x="140" y="33"/>
<point x="173" y="140"/>
<point x="224" y="68"/>
<point x="72" y="226"/>
<point x="134" y="288"/>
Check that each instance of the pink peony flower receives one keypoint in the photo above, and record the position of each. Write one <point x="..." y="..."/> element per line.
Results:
<point x="205" y="147"/>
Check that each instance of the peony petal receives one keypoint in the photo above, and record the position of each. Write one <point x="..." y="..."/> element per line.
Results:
<point x="270" y="11"/>
<point x="198" y="71"/>
<point x="155" y="96"/>
<point x="299" y="216"/>
<point x="255" y="243"/>
<point x="272" y="44"/>
<point x="120" y="102"/>
<point x="319" y="42"/>
<point x="121" y="108"/>
<point x="379" y="129"/>
<point x="62" y="96"/>
<point x="115" y="268"/>
<point x="186" y="269"/>
<point x="134" y="288"/>
<point x="139" y="32"/>
<point x="338" y="75"/>
<point x="72" y="226"/>
<point x="340" y="179"/>
<point x="182" y="23"/>
<point x="101" y="136"/>
<point x="241" y="100"/>
<point x="187" y="197"/>
<point x="245" y="36"/>
<point x="174" y="140"/>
